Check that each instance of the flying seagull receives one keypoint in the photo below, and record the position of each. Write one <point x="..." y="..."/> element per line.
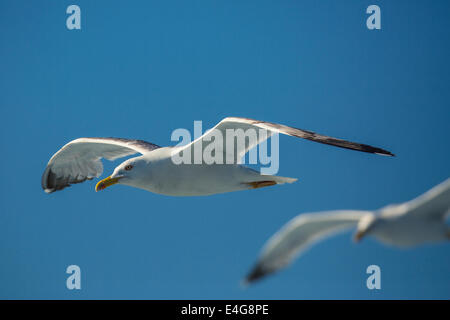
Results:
<point x="154" y="170"/>
<point x="419" y="221"/>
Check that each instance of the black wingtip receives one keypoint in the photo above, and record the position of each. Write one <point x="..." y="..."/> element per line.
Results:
<point x="385" y="153"/>
<point x="369" y="149"/>
<point x="51" y="183"/>
<point x="255" y="275"/>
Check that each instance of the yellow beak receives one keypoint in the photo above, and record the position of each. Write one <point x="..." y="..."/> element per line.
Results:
<point x="105" y="183"/>
<point x="358" y="236"/>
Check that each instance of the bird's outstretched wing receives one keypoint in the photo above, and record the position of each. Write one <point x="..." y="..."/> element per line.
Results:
<point x="297" y="235"/>
<point x="239" y="150"/>
<point x="80" y="160"/>
<point x="435" y="203"/>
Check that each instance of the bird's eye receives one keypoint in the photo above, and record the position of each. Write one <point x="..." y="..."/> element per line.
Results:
<point x="129" y="167"/>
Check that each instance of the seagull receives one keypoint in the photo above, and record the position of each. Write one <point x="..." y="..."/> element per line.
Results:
<point x="155" y="170"/>
<point x="416" y="222"/>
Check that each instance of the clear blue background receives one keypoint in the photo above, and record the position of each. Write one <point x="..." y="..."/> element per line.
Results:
<point x="140" y="69"/>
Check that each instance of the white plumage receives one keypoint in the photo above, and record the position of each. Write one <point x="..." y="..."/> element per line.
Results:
<point x="155" y="170"/>
<point x="415" y="222"/>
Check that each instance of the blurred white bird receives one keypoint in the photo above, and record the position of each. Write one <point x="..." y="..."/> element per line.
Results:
<point x="415" y="222"/>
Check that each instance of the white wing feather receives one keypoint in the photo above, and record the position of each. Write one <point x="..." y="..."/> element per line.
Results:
<point x="80" y="160"/>
<point x="298" y="234"/>
<point x="435" y="203"/>
<point x="235" y="123"/>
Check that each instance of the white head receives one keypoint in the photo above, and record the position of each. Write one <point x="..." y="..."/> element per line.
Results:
<point x="365" y="226"/>
<point x="128" y="172"/>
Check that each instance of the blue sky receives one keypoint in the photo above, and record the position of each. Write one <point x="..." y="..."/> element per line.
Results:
<point x="143" y="68"/>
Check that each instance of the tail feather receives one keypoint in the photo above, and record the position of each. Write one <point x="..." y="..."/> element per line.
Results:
<point x="281" y="180"/>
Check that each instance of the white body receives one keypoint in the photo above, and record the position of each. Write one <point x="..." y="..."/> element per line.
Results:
<point x="165" y="177"/>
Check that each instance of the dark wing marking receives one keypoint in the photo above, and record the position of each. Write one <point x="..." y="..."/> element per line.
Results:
<point x="244" y="124"/>
<point x="140" y="145"/>
<point x="80" y="160"/>
<point x="310" y="135"/>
